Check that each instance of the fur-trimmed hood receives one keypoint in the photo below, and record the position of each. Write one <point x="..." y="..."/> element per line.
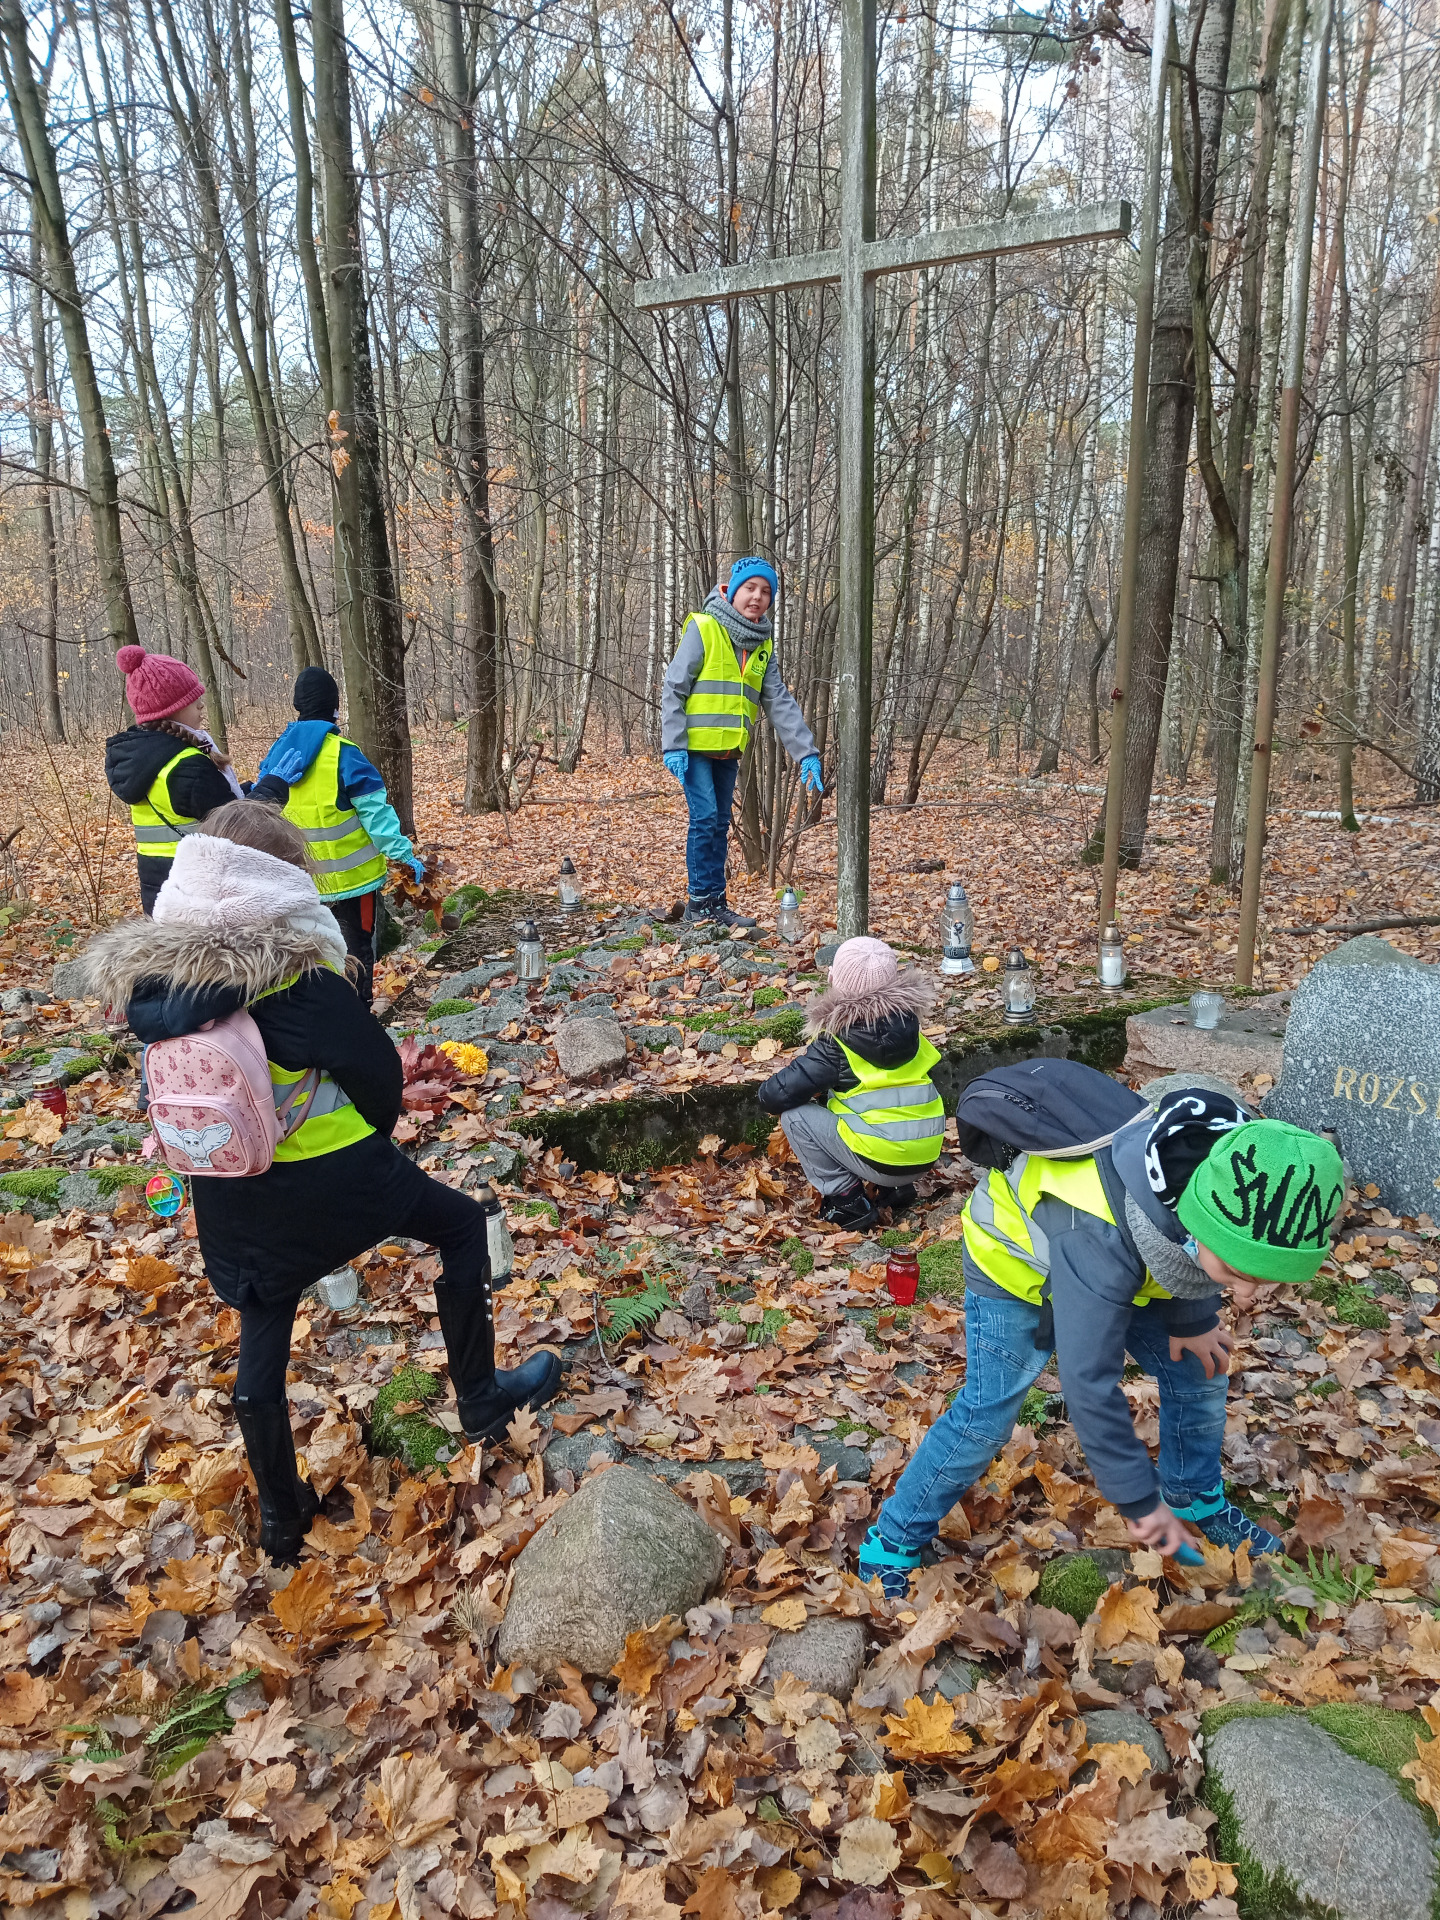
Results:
<point x="188" y="956"/>
<point x="833" y="1011"/>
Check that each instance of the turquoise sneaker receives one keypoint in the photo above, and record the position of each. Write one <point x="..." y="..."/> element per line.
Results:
<point x="893" y="1564"/>
<point x="1224" y="1525"/>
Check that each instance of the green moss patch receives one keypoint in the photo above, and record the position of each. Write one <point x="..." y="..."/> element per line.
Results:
<point x="112" y="1179"/>
<point x="942" y="1271"/>
<point x="767" y="997"/>
<point x="34" y="1183"/>
<point x="440" y="1009"/>
<point x="1073" y="1584"/>
<point x="1357" y="1308"/>
<point x="412" y="1436"/>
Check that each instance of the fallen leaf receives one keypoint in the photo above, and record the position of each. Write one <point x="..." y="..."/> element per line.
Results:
<point x="1127" y="1613"/>
<point x="1000" y="1871"/>
<point x="414" y="1798"/>
<point x="23" y="1698"/>
<point x="921" y="1731"/>
<point x="523" y="1432"/>
<point x="647" y="1653"/>
<point x="786" y="1614"/>
<point x="869" y="1852"/>
<point x="262" y="1737"/>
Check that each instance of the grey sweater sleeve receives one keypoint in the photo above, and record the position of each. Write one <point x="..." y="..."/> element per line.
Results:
<point x="680" y="676"/>
<point x="785" y="715"/>
<point x="1094" y="1277"/>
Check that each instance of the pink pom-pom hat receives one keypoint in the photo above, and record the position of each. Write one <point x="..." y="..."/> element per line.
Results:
<point x="156" y="684"/>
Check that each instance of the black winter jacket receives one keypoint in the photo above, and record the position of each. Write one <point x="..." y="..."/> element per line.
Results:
<point x="197" y="786"/>
<point x="823" y="1069"/>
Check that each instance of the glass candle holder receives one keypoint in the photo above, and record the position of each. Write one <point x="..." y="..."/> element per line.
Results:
<point x="957" y="930"/>
<point x="1205" y="1011"/>
<point x="569" y="887"/>
<point x="1018" y="989"/>
<point x="529" y="954"/>
<point x="1112" y="960"/>
<point x="787" y="918"/>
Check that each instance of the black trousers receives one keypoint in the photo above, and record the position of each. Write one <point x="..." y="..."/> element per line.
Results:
<point x="450" y="1221"/>
<point x="359" y="919"/>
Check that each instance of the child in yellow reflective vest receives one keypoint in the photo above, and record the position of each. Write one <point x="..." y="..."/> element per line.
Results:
<point x="1128" y="1250"/>
<point x="723" y="673"/>
<point x="859" y="1107"/>
<point x="239" y="924"/>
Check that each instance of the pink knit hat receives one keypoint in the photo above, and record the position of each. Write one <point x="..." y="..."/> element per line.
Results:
<point x="156" y="684"/>
<point x="863" y="966"/>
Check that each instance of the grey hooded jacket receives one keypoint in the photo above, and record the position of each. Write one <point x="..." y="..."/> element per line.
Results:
<point x="1095" y="1272"/>
<point x="775" y="697"/>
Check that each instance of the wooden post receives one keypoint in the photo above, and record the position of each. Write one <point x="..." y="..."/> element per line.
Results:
<point x="1298" y="307"/>
<point x="857" y="465"/>
<point x="1135" y="472"/>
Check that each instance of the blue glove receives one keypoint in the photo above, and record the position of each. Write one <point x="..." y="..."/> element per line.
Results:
<point x="677" y="763"/>
<point x="290" y="766"/>
<point x="810" y="773"/>
<point x="417" y="867"/>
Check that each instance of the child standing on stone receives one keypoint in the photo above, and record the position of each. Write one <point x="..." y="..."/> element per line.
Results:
<point x="1128" y="1250"/>
<point x="723" y="673"/>
<point x="240" y="924"/>
<point x="859" y="1106"/>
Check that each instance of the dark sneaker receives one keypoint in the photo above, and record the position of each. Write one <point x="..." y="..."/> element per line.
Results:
<point x="892" y="1566"/>
<point x="851" y="1210"/>
<point x="726" y="915"/>
<point x="897" y="1199"/>
<point x="698" y="913"/>
<point x="1225" y="1525"/>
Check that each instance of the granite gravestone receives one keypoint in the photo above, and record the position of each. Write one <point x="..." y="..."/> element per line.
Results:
<point x="1362" y="1062"/>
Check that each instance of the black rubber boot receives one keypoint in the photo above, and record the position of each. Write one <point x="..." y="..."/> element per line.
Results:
<point x="851" y="1209"/>
<point x="488" y="1397"/>
<point x="288" y="1504"/>
<point x="698" y="913"/>
<point x="898" y="1199"/>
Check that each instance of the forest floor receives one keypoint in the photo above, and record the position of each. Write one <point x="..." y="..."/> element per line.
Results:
<point x="178" y="1718"/>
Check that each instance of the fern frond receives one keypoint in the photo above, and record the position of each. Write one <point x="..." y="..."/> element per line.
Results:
<point x="631" y="1313"/>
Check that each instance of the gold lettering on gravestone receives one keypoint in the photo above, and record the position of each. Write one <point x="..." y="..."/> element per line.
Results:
<point x="1351" y="1083"/>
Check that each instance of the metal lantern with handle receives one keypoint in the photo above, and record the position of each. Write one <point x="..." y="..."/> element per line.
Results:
<point x="957" y="930"/>
<point x="1018" y="989"/>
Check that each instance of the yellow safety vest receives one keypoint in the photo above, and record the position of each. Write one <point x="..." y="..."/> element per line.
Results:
<point x="343" y="857"/>
<point x="159" y="826"/>
<point x="895" y="1115"/>
<point x="329" y="1119"/>
<point x="1001" y="1236"/>
<point x="725" y="700"/>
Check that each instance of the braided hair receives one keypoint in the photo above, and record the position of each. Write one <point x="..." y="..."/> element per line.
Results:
<point x="187" y="739"/>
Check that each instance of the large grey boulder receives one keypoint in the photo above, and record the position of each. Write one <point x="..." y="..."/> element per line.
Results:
<point x="584" y="1046"/>
<point x="1333" y="1827"/>
<point x="621" y="1554"/>
<point x="826" y="1655"/>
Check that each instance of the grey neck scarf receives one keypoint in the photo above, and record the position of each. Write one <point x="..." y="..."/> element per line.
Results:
<point x="1171" y="1265"/>
<point x="746" y="633"/>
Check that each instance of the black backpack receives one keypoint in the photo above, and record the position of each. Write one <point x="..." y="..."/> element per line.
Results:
<point x="1055" y="1107"/>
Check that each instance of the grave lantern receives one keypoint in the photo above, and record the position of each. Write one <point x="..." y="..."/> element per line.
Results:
<point x="787" y="919"/>
<point x="1112" y="960"/>
<point x="497" y="1233"/>
<point x="569" y="887"/>
<point x="957" y="929"/>
<point x="530" y="953"/>
<point x="1018" y="989"/>
<point x="1205" y="1011"/>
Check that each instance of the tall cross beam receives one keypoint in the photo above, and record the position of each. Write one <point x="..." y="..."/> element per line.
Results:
<point x="854" y="266"/>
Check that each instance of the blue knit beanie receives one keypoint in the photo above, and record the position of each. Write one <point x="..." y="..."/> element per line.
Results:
<point x="752" y="569"/>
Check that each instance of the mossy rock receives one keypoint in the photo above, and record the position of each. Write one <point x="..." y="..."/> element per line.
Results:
<point x="1072" y="1584"/>
<point x="111" y="1179"/>
<point x="1357" y="1308"/>
<point x="628" y="943"/>
<point x="33" y="1183"/>
<point x="412" y="1437"/>
<point x="768" y="997"/>
<point x="441" y="1009"/>
<point x="787" y="1028"/>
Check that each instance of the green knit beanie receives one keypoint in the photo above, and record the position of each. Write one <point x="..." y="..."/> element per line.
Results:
<point x="1264" y="1198"/>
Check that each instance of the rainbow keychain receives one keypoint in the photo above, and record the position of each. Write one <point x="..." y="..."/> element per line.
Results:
<point x="165" y="1194"/>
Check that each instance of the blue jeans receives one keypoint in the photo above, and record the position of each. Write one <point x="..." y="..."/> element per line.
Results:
<point x="1002" y="1364"/>
<point x="709" y="789"/>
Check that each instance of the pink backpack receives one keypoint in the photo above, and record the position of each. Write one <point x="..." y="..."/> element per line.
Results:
<point x="211" y="1103"/>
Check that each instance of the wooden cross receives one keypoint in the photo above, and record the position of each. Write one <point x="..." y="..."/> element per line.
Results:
<point x="854" y="266"/>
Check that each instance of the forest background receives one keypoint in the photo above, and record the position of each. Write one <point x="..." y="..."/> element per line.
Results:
<point x="319" y="343"/>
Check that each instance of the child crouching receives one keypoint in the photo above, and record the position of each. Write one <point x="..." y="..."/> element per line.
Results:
<point x="239" y="924"/>
<point x="859" y="1105"/>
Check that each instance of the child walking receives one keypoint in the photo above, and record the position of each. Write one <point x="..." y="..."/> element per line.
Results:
<point x="723" y="672"/>
<point x="1126" y="1250"/>
<point x="239" y="923"/>
<point x="166" y="768"/>
<point x="859" y="1105"/>
<point x="339" y="803"/>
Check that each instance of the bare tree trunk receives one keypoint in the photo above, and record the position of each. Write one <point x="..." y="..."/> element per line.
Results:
<point x="27" y="109"/>
<point x="42" y="446"/>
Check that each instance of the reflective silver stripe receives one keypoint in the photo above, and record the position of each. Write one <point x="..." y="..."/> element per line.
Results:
<point x="982" y="1212"/>
<point x="340" y="832"/>
<point x="149" y="835"/>
<point x="864" y="1101"/>
<point x="900" y="1129"/>
<point x="314" y="1092"/>
<point x="361" y="857"/>
<point x="733" y="687"/>
<point x="732" y="715"/>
